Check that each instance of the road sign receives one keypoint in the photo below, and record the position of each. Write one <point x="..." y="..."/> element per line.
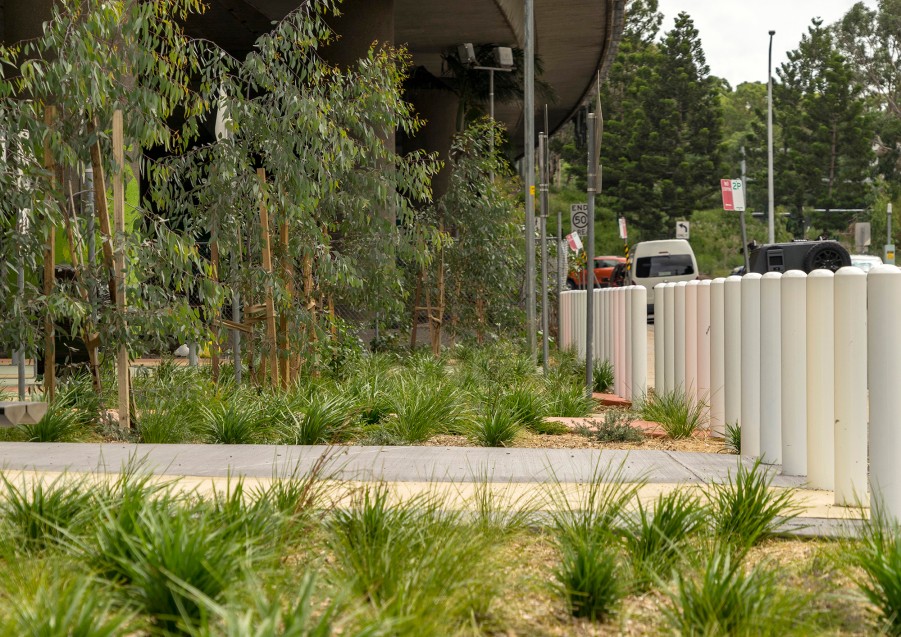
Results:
<point x="623" y="231"/>
<point x="890" y="253"/>
<point x="575" y="243"/>
<point x="733" y="194"/>
<point x="682" y="229"/>
<point x="578" y="217"/>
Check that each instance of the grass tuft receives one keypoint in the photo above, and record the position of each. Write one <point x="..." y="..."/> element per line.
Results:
<point x="235" y="421"/>
<point x="39" y="515"/>
<point x="497" y="427"/>
<point x="733" y="437"/>
<point x="603" y="376"/>
<point x="590" y="580"/>
<point x="877" y="558"/>
<point x="678" y="414"/>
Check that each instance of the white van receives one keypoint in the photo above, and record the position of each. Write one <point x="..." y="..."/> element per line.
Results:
<point x="656" y="262"/>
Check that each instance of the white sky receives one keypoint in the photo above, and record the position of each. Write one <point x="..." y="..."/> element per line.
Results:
<point x="735" y="34"/>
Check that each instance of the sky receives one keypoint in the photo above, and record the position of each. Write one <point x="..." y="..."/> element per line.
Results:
<point x="735" y="34"/>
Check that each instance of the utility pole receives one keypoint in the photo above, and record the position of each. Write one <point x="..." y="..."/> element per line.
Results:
<point x="589" y="253"/>
<point x="528" y="151"/>
<point x="771" y="234"/>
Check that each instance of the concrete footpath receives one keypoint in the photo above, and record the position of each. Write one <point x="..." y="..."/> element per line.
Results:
<point x="519" y="472"/>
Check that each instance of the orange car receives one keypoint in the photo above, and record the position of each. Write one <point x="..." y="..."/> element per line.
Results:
<point x="603" y="268"/>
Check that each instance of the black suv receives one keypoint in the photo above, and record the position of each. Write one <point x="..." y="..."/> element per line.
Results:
<point x="799" y="255"/>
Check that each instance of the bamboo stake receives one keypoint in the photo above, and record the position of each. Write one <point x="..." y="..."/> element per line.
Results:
<point x="49" y="272"/>
<point x="267" y="266"/>
<point x="101" y="210"/>
<point x="122" y="371"/>
<point x="214" y="347"/>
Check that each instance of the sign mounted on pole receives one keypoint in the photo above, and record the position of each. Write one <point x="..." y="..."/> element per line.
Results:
<point x="578" y="217"/>
<point x="733" y="194"/>
<point x="623" y="231"/>
<point x="575" y="243"/>
<point x="683" y="229"/>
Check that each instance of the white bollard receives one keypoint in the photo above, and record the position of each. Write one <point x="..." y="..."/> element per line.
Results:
<point x="771" y="368"/>
<point x="610" y="336"/>
<point x="579" y="318"/>
<point x="750" y="364"/>
<point x="659" y="338"/>
<point x="566" y="329"/>
<point x="617" y="353"/>
<point x="718" y="357"/>
<point x="851" y="386"/>
<point x="598" y="327"/>
<point x="691" y="340"/>
<point x="602" y="319"/>
<point x="794" y="373"/>
<point x="883" y="354"/>
<point x="620" y="341"/>
<point x="820" y="381"/>
<point x="670" y="342"/>
<point x="679" y="337"/>
<point x="703" y="338"/>
<point x="732" y="351"/>
<point x="627" y="341"/>
<point x="639" y="343"/>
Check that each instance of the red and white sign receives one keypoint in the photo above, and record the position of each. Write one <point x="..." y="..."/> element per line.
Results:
<point x="623" y="231"/>
<point x="575" y="243"/>
<point x="733" y="194"/>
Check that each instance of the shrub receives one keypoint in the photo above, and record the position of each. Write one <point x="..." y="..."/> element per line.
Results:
<point x="235" y="421"/>
<point x="678" y="414"/>
<point x="422" y="409"/>
<point x="603" y="376"/>
<point x="526" y="406"/>
<point x="589" y="579"/>
<point x="323" y="417"/>
<point x="566" y="400"/>
<point x="654" y="538"/>
<point x="745" y="510"/>
<point x="726" y="600"/>
<point x="496" y="427"/>
<point x="61" y="423"/>
<point x="616" y="427"/>
<point x="878" y="557"/>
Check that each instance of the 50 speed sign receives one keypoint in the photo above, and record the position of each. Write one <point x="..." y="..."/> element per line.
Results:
<point x="578" y="217"/>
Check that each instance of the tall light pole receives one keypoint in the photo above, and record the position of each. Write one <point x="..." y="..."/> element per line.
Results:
<point x="503" y="58"/>
<point x="771" y="235"/>
<point x="528" y="151"/>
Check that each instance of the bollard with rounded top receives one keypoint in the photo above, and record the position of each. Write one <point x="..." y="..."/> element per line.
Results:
<point x="750" y="364"/>
<point x="620" y="345"/>
<point x="717" y="341"/>
<point x="679" y="337"/>
<point x="609" y="336"/>
<point x="732" y="351"/>
<point x="691" y="340"/>
<point x="794" y="373"/>
<point x="639" y="343"/>
<point x="579" y="318"/>
<point x="627" y="340"/>
<point x="820" y="380"/>
<point x="850" y="386"/>
<point x="659" y="339"/>
<point x="669" y="342"/>
<point x="615" y="329"/>
<point x="771" y="368"/>
<point x="703" y="338"/>
<point x="883" y="354"/>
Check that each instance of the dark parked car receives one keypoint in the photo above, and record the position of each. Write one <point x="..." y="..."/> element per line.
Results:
<point x="799" y="255"/>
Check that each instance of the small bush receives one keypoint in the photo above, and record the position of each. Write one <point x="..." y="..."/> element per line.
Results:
<point x="678" y="414"/>
<point x="603" y="376"/>
<point x="745" y="510"/>
<point x="726" y="600"/>
<point x="526" y="406"/>
<point x="422" y="409"/>
<point x="617" y="427"/>
<point x="235" y="421"/>
<point x="733" y="437"/>
<point x="566" y="400"/>
<point x="654" y="538"/>
<point x="61" y="423"/>
<point x="322" y="418"/>
<point x="497" y="427"/>
<point x="878" y="557"/>
<point x="589" y="579"/>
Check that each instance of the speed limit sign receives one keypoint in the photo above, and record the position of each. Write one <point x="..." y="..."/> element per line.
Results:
<point x="578" y="217"/>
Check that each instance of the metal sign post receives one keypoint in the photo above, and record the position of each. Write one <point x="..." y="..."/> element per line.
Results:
<point x="733" y="191"/>
<point x="595" y="126"/>
<point x="543" y="187"/>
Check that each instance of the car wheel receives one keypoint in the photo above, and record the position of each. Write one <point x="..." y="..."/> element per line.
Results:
<point x="827" y="255"/>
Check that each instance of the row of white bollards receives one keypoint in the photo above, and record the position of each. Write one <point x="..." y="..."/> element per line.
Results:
<point x="620" y="333"/>
<point x="808" y="365"/>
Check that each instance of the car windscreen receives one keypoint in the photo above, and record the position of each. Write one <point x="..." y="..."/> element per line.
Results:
<point x="664" y="265"/>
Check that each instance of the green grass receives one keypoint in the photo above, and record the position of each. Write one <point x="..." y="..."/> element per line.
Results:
<point x="877" y="560"/>
<point x="745" y="510"/>
<point x="679" y="414"/>
<point x="234" y="421"/>
<point x="320" y="418"/>
<point x="590" y="579"/>
<point x="422" y="408"/>
<point x="727" y="599"/>
<point x="603" y="376"/>
<point x="61" y="423"/>
<point x="496" y="427"/>
<point x="39" y="515"/>
<point x="733" y="437"/>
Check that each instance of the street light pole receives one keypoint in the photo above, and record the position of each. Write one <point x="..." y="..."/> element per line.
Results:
<point x="528" y="151"/>
<point x="771" y="235"/>
<point x="543" y="177"/>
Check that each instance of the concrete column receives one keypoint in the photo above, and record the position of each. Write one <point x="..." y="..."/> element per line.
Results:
<point x="750" y="364"/>
<point x="679" y="338"/>
<point x="669" y="293"/>
<point x="883" y="354"/>
<point x="659" y="339"/>
<point x="851" y="387"/>
<point x="771" y="368"/>
<point x="718" y="357"/>
<point x="820" y="380"/>
<point x="794" y="373"/>
<point x="639" y="343"/>
<point x="691" y="340"/>
<point x="703" y="338"/>
<point x="732" y="350"/>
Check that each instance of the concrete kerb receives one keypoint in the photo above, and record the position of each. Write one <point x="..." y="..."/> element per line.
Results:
<point x="516" y="477"/>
